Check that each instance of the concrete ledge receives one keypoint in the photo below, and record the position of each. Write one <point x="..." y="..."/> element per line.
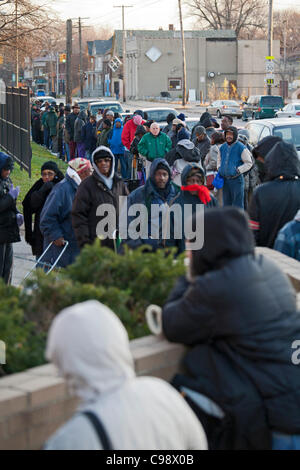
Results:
<point x="289" y="266"/>
<point x="33" y="404"/>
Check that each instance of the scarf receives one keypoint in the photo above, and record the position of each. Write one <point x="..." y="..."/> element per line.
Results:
<point x="203" y="192"/>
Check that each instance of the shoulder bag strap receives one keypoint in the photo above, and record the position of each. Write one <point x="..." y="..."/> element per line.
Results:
<point x="100" y="430"/>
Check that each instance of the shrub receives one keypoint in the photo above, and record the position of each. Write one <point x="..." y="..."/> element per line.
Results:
<point x="126" y="283"/>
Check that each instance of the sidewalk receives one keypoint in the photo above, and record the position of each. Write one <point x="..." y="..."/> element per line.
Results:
<point x="21" y="266"/>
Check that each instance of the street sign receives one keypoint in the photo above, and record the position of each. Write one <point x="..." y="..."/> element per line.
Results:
<point x="270" y="67"/>
<point x="270" y="81"/>
<point x="270" y="57"/>
<point x="114" y="63"/>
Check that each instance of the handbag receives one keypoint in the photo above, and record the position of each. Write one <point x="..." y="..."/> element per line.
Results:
<point x="218" y="181"/>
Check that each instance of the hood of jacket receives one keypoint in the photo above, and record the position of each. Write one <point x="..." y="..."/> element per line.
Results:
<point x="90" y="347"/>
<point x="118" y="120"/>
<point x="183" y="134"/>
<point x="82" y="115"/>
<point x="282" y="160"/>
<point x="265" y="145"/>
<point x="234" y="130"/>
<point x="187" y="151"/>
<point x="236" y="240"/>
<point x="187" y="170"/>
<point x="5" y="161"/>
<point x="108" y="181"/>
<point x="204" y="117"/>
<point x="154" y="166"/>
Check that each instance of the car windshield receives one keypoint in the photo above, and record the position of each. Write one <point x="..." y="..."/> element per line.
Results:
<point x="290" y="134"/>
<point x="297" y="107"/>
<point x="116" y="108"/>
<point x="191" y="124"/>
<point x="271" y="101"/>
<point x="159" y="115"/>
<point x="230" y="103"/>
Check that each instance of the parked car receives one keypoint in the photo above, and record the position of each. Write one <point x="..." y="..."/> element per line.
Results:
<point x="262" y="107"/>
<point x="290" y="110"/>
<point x="84" y="103"/>
<point x="191" y="122"/>
<point x="115" y="106"/>
<point x="221" y="108"/>
<point x="159" y="115"/>
<point x="286" y="128"/>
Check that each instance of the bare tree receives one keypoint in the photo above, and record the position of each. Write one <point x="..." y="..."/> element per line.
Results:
<point x="245" y="17"/>
<point x="288" y="22"/>
<point x="23" y="19"/>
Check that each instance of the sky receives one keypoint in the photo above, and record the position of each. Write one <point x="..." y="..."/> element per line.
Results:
<point x="144" y="14"/>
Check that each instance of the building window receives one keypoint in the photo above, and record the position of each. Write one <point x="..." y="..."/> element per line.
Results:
<point x="175" y="84"/>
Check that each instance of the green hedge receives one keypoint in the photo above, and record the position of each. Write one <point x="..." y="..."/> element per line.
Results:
<point x="126" y="283"/>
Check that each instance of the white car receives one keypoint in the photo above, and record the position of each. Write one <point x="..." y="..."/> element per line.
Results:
<point x="290" y="110"/>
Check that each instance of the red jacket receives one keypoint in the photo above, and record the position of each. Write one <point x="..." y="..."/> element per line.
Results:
<point x="128" y="133"/>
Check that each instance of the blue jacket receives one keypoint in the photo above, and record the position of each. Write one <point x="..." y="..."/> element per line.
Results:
<point x="114" y="139"/>
<point x="88" y="136"/>
<point x="56" y="222"/>
<point x="148" y="195"/>
<point x="288" y="239"/>
<point x="231" y="158"/>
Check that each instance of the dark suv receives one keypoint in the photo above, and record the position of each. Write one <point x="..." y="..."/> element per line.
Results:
<point x="262" y="106"/>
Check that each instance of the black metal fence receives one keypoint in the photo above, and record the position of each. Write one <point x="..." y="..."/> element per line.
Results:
<point x="15" y="126"/>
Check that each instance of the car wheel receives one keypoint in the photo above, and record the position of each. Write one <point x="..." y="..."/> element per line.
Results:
<point x="219" y="115"/>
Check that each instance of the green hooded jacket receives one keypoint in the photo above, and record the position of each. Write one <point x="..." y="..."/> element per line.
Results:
<point x="154" y="147"/>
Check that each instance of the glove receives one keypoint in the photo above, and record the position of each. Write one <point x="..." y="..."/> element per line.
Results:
<point x="14" y="192"/>
<point x="20" y="219"/>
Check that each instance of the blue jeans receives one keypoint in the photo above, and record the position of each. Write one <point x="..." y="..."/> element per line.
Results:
<point x="67" y="150"/>
<point x="46" y="138"/>
<point x="285" y="442"/>
<point x="127" y="162"/>
<point x="233" y="192"/>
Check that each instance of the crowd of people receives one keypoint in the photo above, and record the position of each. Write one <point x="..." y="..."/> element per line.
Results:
<point x="235" y="310"/>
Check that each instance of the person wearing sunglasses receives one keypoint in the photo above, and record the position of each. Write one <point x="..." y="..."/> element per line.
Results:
<point x="33" y="204"/>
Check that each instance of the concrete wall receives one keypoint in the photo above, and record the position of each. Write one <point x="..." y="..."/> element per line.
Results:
<point x="251" y="65"/>
<point x="33" y="404"/>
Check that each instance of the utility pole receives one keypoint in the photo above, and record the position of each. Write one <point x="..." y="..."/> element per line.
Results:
<point x="183" y="57"/>
<point x="69" y="63"/>
<point x="80" y="59"/>
<point x="57" y="75"/>
<point x="270" y="37"/>
<point x="124" y="47"/>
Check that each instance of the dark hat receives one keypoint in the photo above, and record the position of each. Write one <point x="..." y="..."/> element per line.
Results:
<point x="107" y="122"/>
<point x="139" y="112"/>
<point x="181" y="116"/>
<point x="76" y="106"/>
<point x="50" y="165"/>
<point x="140" y="130"/>
<point x="215" y="123"/>
<point x="68" y="107"/>
<point x="234" y="131"/>
<point x="102" y="153"/>
<point x="6" y="162"/>
<point x="170" y="118"/>
<point x="200" y="130"/>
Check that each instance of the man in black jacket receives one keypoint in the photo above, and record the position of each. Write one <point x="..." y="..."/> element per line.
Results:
<point x="277" y="200"/>
<point x="237" y="312"/>
<point x="10" y="219"/>
<point x="103" y="187"/>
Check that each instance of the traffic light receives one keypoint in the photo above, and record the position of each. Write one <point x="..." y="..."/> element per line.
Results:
<point x="62" y="58"/>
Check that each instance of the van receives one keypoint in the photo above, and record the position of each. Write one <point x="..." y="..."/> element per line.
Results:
<point x="262" y="106"/>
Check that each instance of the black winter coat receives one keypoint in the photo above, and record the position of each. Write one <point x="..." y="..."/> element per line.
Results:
<point x="241" y="321"/>
<point x="33" y="203"/>
<point x="276" y="201"/>
<point x="9" y="230"/>
<point x="91" y="193"/>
